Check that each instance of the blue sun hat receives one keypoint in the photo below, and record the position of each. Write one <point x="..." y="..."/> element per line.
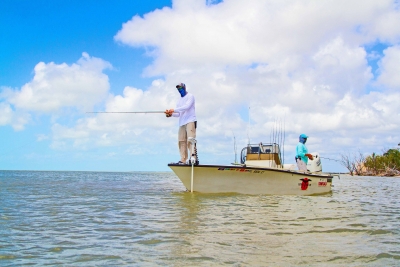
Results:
<point x="303" y="138"/>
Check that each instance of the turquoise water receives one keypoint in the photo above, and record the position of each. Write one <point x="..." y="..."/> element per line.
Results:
<point x="147" y="219"/>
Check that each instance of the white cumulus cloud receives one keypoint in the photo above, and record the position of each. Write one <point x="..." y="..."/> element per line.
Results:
<point x="56" y="86"/>
<point x="301" y="61"/>
<point x="389" y="68"/>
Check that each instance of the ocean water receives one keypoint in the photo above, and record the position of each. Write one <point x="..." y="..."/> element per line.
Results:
<point x="147" y="219"/>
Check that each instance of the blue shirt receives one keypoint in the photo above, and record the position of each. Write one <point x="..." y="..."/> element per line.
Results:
<point x="301" y="151"/>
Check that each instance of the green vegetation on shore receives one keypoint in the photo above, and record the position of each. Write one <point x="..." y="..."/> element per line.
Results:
<point x="387" y="164"/>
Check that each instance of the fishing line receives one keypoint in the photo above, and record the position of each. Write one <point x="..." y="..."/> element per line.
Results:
<point x="330" y="159"/>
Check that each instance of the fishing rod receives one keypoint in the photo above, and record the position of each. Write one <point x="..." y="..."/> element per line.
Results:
<point x="134" y="112"/>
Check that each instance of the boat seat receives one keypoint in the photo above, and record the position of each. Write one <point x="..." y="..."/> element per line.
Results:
<point x="256" y="150"/>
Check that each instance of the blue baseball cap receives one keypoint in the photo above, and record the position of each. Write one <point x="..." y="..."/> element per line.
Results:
<point x="303" y="136"/>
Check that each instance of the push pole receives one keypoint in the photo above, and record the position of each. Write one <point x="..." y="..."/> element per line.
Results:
<point x="191" y="179"/>
<point x="192" y="160"/>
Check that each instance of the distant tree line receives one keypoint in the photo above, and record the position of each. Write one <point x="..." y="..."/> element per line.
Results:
<point x="387" y="164"/>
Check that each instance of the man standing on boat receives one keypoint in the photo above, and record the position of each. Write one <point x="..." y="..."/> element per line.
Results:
<point x="302" y="154"/>
<point x="185" y="110"/>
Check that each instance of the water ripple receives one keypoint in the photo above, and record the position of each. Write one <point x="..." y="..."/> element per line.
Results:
<point x="147" y="219"/>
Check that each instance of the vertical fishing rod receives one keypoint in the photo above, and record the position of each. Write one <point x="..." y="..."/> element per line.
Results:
<point x="274" y="139"/>
<point x="283" y="142"/>
<point x="248" y="129"/>
<point x="270" y="141"/>
<point x="280" y="142"/>
<point x="275" y="132"/>
<point x="278" y="137"/>
<point x="234" y="146"/>
<point x="270" y="137"/>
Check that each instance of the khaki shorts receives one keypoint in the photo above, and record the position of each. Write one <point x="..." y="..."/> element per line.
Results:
<point x="187" y="130"/>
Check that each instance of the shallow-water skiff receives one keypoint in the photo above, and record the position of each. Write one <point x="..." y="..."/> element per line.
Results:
<point x="260" y="172"/>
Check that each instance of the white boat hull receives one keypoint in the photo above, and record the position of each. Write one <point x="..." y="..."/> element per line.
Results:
<point x="251" y="180"/>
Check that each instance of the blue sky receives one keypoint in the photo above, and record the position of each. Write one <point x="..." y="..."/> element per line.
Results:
<point x="59" y="31"/>
<point x="327" y="70"/>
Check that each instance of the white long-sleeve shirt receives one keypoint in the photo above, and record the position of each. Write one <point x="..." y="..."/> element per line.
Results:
<point x="185" y="109"/>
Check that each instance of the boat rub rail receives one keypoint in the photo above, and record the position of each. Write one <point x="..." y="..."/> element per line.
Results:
<point x="252" y="169"/>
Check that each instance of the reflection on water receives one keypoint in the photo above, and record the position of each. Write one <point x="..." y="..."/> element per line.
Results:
<point x="147" y="219"/>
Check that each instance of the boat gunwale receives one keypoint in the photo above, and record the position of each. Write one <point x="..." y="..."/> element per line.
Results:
<point x="253" y="168"/>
